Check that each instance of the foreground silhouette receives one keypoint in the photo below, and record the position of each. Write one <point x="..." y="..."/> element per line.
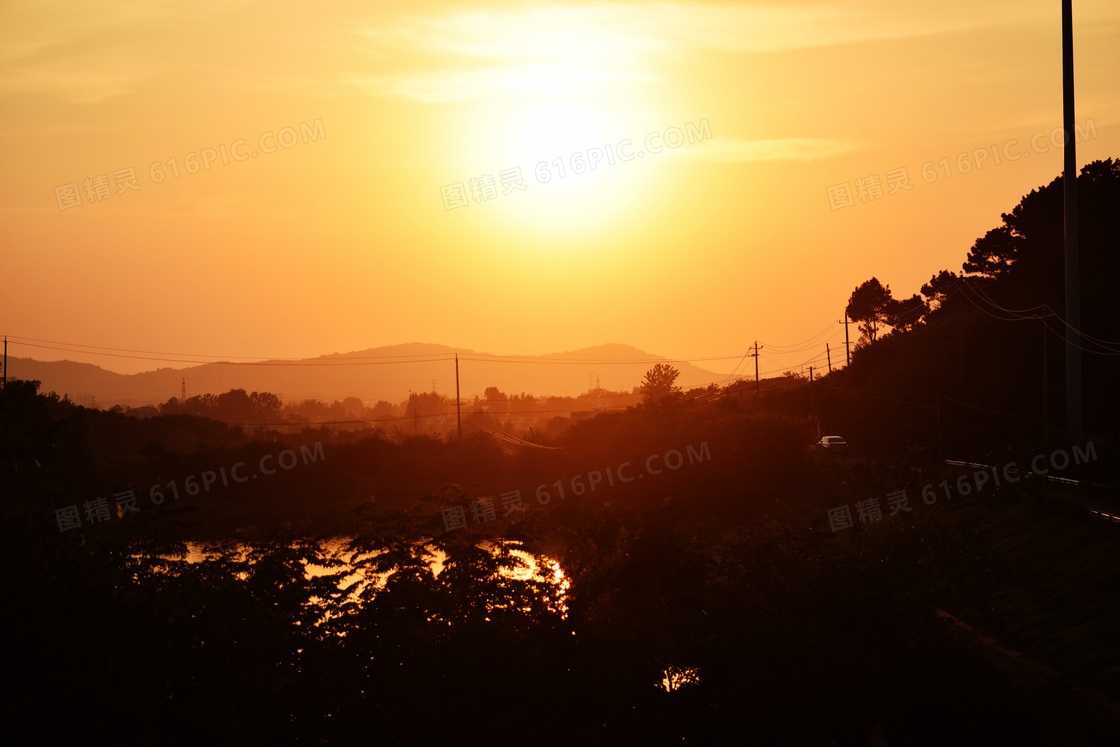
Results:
<point x="696" y="603"/>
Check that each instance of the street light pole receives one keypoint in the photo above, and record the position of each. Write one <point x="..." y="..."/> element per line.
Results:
<point x="1074" y="420"/>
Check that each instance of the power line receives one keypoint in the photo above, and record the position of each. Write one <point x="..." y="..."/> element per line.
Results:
<point x="309" y="363"/>
<point x="511" y="439"/>
<point x="599" y="361"/>
<point x="369" y="360"/>
<point x="1059" y="333"/>
<point x="75" y="348"/>
<point x="987" y="409"/>
<point x="812" y="341"/>
<point x="877" y="395"/>
<point x="372" y="421"/>
<point x="1100" y="341"/>
<point x="735" y="370"/>
<point x="1013" y="318"/>
<point x="981" y="292"/>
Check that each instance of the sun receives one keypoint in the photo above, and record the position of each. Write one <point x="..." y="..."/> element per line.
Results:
<point x="556" y="160"/>
<point x="541" y="105"/>
<point x="567" y="156"/>
<point x="543" y="132"/>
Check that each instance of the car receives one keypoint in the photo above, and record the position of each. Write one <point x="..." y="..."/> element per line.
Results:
<point x="834" y="444"/>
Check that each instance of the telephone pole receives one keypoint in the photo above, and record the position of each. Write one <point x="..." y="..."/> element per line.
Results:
<point x="184" y="389"/>
<point x="458" y="409"/>
<point x="810" y="392"/>
<point x="755" y="354"/>
<point x="1073" y="270"/>
<point x="847" y="345"/>
<point x="1045" y="404"/>
<point x="960" y="340"/>
<point x="937" y="397"/>
<point x="828" y="353"/>
<point x="5" y="361"/>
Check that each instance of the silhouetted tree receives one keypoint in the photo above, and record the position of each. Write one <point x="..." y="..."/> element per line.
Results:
<point x="939" y="288"/>
<point x="426" y="403"/>
<point x="383" y="409"/>
<point x="658" y="382"/>
<point x="235" y="406"/>
<point x="868" y="306"/>
<point x="993" y="254"/>
<point x="904" y="315"/>
<point x="266" y="406"/>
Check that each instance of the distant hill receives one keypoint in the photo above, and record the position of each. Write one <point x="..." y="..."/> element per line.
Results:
<point x="377" y="373"/>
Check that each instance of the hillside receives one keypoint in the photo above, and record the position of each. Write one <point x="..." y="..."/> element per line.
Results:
<point x="388" y="373"/>
<point x="978" y="366"/>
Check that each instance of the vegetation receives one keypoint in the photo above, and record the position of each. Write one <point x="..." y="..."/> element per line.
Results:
<point x="658" y="382"/>
<point x="976" y="365"/>
<point x="404" y="586"/>
<point x="690" y="600"/>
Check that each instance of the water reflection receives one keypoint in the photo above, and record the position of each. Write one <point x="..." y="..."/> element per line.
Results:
<point x="357" y="573"/>
<point x="677" y="677"/>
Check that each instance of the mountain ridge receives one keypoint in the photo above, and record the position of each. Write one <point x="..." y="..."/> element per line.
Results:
<point x="617" y="366"/>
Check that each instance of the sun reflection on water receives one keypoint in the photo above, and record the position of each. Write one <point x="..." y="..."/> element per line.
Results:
<point x="357" y="576"/>
<point x="675" y="678"/>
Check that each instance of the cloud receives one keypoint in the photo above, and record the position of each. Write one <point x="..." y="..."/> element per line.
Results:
<point x="83" y="52"/>
<point x="475" y="52"/>
<point x="437" y="54"/>
<point x="448" y="85"/>
<point x="737" y="150"/>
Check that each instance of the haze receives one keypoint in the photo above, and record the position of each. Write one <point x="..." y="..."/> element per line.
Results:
<point x="342" y="238"/>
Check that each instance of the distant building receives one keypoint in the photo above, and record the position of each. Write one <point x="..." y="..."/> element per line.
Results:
<point x="615" y="401"/>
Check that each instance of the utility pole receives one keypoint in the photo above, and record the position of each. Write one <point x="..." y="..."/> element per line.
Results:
<point x="960" y="340"/>
<point x="938" y="400"/>
<point x="5" y="361"/>
<point x="755" y="354"/>
<point x="810" y="392"/>
<point x="847" y="345"/>
<point x="458" y="408"/>
<point x="1045" y="404"/>
<point x="1073" y="270"/>
<point x="184" y="389"/>
<point x="828" y="353"/>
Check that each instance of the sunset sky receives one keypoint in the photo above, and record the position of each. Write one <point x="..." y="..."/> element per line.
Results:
<point x="350" y="234"/>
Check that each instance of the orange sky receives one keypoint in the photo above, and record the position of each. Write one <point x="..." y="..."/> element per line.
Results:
<point x="341" y="238"/>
